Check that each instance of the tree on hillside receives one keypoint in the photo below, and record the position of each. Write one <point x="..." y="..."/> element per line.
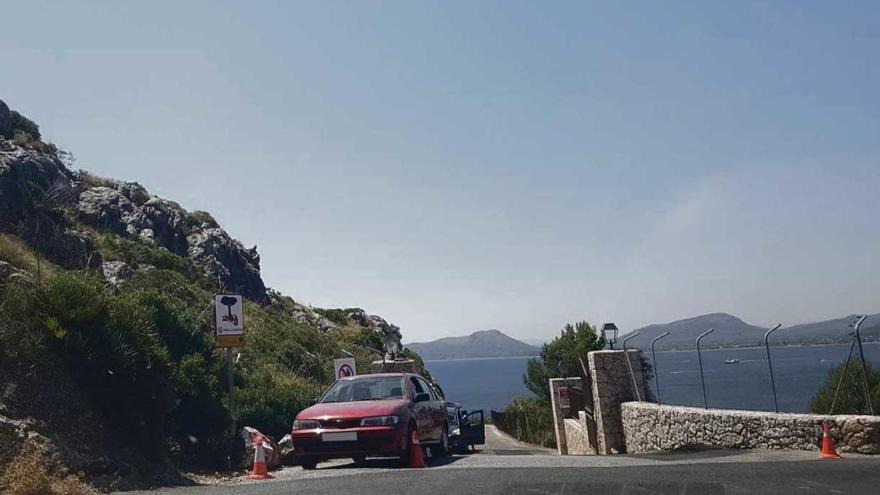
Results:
<point x="559" y="358"/>
<point x="850" y="392"/>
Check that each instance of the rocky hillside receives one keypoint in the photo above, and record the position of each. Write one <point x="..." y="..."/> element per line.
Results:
<point x="482" y="344"/>
<point x="108" y="371"/>
<point x="35" y="185"/>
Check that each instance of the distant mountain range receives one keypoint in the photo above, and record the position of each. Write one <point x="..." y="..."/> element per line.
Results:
<point x="482" y="344"/>
<point x="731" y="331"/>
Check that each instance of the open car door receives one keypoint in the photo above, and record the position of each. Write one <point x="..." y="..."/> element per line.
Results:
<point x="473" y="428"/>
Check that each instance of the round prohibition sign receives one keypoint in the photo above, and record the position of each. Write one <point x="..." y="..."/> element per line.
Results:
<point x="345" y="370"/>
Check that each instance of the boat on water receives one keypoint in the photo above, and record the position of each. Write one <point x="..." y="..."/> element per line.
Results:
<point x="732" y="361"/>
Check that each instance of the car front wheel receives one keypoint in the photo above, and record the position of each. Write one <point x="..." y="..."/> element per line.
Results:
<point x="405" y="453"/>
<point x="442" y="450"/>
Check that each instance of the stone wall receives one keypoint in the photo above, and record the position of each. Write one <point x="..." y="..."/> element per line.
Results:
<point x="651" y="427"/>
<point x="613" y="382"/>
<point x="577" y="436"/>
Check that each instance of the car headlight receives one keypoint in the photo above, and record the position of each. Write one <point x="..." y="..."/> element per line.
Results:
<point x="456" y="432"/>
<point x="305" y="424"/>
<point x="380" y="421"/>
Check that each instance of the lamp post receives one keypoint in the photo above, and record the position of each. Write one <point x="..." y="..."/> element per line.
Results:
<point x="609" y="331"/>
<point x="700" y="360"/>
<point x="770" y="365"/>
<point x="864" y="365"/>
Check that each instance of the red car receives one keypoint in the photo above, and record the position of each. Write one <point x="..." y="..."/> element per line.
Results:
<point x="372" y="416"/>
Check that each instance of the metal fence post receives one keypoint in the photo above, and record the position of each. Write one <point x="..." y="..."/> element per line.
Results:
<point x="864" y="365"/>
<point x="700" y="360"/>
<point x="629" y="365"/>
<point x="770" y="365"/>
<point x="843" y="374"/>
<point x="654" y="360"/>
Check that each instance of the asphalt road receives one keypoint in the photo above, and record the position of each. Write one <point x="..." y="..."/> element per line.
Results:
<point x="505" y="466"/>
<point x="798" y="477"/>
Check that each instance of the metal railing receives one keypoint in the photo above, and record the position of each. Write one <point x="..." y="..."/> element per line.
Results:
<point x="770" y="365"/>
<point x="632" y="375"/>
<point x="700" y="360"/>
<point x="856" y="343"/>
<point x="654" y="362"/>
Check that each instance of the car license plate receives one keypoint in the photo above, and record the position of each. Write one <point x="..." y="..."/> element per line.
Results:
<point x="340" y="436"/>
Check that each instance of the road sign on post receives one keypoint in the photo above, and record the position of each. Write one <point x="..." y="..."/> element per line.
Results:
<point x="344" y="367"/>
<point x="229" y="319"/>
<point x="229" y="333"/>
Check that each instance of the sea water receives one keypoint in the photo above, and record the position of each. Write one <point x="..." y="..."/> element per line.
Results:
<point x="492" y="383"/>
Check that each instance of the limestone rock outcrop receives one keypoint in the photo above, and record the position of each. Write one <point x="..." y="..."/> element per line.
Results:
<point x="35" y="186"/>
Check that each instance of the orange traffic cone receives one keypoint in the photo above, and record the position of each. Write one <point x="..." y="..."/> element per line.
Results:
<point x="828" y="450"/>
<point x="416" y="458"/>
<point x="260" y="471"/>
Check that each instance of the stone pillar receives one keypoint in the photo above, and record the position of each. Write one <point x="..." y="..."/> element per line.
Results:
<point x="614" y="382"/>
<point x="589" y="427"/>
<point x="558" y="415"/>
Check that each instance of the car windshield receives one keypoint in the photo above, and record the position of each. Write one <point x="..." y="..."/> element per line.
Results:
<point x="367" y="388"/>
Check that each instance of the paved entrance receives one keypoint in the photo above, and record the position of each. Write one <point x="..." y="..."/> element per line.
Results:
<point x="500" y="443"/>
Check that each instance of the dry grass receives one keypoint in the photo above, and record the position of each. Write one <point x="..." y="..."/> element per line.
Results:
<point x="18" y="254"/>
<point x="27" y="475"/>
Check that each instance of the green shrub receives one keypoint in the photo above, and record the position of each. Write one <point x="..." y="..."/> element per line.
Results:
<point x="176" y="323"/>
<point x="530" y="420"/>
<point x="335" y="315"/>
<point x="25" y="140"/>
<point x="269" y="398"/>
<point x="24" y="125"/>
<point x="197" y="218"/>
<point x="172" y="284"/>
<point x="108" y="343"/>
<point x="851" y="396"/>
<point x="200" y="412"/>
<point x="135" y="251"/>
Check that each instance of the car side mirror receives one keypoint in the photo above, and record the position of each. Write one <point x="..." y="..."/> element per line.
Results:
<point x="422" y="397"/>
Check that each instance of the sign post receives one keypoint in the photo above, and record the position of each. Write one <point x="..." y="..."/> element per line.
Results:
<point x="230" y="372"/>
<point x="344" y="367"/>
<point x="229" y="333"/>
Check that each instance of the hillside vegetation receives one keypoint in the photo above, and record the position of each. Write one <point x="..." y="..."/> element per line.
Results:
<point x="108" y="368"/>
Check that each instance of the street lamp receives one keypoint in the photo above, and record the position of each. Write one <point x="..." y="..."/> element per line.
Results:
<point x="609" y="331"/>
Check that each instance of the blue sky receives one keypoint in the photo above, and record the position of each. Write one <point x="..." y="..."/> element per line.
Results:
<point x="455" y="166"/>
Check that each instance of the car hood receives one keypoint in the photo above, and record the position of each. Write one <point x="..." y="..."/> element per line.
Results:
<point x="352" y="410"/>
